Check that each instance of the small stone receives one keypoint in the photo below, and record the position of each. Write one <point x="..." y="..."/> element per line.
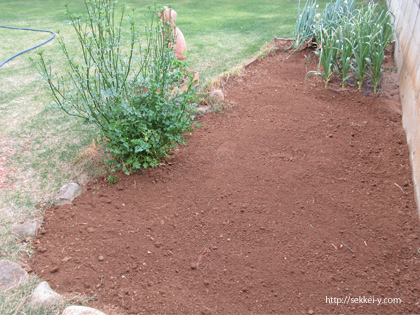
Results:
<point x="310" y="312"/>
<point x="91" y="230"/>
<point x="81" y="310"/>
<point x="11" y="275"/>
<point x="193" y="266"/>
<point x="217" y="95"/>
<point x="26" y="228"/>
<point x="206" y="282"/>
<point x="201" y="111"/>
<point x="101" y="258"/>
<point x="55" y="269"/>
<point x="68" y="192"/>
<point x="41" y="249"/>
<point x="44" y="296"/>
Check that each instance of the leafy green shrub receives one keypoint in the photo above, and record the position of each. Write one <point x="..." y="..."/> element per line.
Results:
<point x="127" y="88"/>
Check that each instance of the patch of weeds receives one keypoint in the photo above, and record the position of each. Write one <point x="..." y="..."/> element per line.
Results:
<point x="112" y="178"/>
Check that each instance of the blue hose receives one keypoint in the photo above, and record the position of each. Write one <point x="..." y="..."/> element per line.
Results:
<point x="24" y="51"/>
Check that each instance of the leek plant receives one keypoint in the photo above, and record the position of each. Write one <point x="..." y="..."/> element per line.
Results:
<point x="383" y="34"/>
<point x="345" y="54"/>
<point x="345" y="50"/>
<point x="375" y="63"/>
<point x="350" y="41"/>
<point x="305" y="24"/>
<point x="334" y="12"/>
<point x="361" y="50"/>
<point x="327" y="53"/>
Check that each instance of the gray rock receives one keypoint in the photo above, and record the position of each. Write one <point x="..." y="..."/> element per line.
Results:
<point x="217" y="95"/>
<point x="81" y="310"/>
<point x="201" y="111"/>
<point x="27" y="228"/>
<point x="68" y="192"/>
<point x="11" y="275"/>
<point x="44" y="296"/>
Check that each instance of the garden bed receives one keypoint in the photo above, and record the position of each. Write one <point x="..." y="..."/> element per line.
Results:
<point x="293" y="196"/>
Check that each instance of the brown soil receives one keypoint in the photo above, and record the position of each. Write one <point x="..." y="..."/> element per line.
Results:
<point x="291" y="195"/>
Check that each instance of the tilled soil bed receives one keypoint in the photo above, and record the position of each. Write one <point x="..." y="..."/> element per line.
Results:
<point x="291" y="198"/>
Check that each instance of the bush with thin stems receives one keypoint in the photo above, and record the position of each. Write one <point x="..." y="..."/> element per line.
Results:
<point x="128" y="89"/>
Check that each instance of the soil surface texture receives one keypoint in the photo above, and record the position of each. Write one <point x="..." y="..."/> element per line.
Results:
<point x="295" y="199"/>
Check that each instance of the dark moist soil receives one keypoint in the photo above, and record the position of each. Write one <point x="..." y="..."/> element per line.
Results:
<point x="292" y="196"/>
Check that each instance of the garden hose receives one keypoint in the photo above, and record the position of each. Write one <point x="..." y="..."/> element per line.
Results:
<point x="26" y="50"/>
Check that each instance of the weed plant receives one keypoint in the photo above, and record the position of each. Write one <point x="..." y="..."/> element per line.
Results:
<point x="129" y="90"/>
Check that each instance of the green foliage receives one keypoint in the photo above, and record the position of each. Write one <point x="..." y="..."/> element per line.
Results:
<point x="309" y="23"/>
<point x="345" y="50"/>
<point x="382" y="33"/>
<point x="334" y="13"/>
<point x="361" y="49"/>
<point x="327" y="53"/>
<point x="305" y="24"/>
<point x="112" y="179"/>
<point x="128" y="89"/>
<point x="350" y="41"/>
<point x="375" y="61"/>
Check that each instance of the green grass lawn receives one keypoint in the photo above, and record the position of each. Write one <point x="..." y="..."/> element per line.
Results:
<point x="46" y="144"/>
